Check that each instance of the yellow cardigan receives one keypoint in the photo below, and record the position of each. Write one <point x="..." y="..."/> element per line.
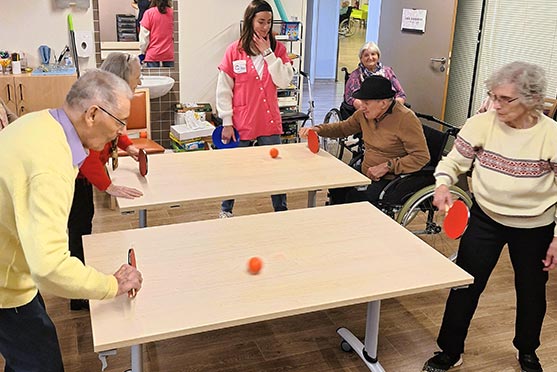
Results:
<point x="36" y="191"/>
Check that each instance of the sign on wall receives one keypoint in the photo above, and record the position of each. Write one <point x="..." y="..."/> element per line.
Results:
<point x="413" y="20"/>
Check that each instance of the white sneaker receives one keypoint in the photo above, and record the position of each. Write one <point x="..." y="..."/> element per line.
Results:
<point x="224" y="214"/>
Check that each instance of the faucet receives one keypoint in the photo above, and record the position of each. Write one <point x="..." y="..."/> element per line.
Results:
<point x="64" y="51"/>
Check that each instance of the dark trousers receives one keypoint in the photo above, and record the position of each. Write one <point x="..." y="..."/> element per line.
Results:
<point x="28" y="340"/>
<point x="479" y="251"/>
<point x="278" y="200"/>
<point x="80" y="221"/>
<point x="353" y="195"/>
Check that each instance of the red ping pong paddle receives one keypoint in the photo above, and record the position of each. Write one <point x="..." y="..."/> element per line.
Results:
<point x="131" y="262"/>
<point x="456" y="220"/>
<point x="313" y="141"/>
<point x="142" y="157"/>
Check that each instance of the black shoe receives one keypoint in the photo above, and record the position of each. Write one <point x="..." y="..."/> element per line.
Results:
<point x="529" y="362"/>
<point x="79" y="305"/>
<point x="441" y="362"/>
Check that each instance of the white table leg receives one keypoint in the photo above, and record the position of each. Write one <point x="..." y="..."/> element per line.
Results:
<point x="367" y="352"/>
<point x="312" y="198"/>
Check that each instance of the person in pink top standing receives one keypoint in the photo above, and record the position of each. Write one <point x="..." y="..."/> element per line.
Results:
<point x="156" y="34"/>
<point x="249" y="74"/>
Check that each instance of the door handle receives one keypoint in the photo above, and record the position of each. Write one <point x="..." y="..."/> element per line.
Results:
<point x="441" y="60"/>
<point x="9" y="92"/>
<point x="21" y="92"/>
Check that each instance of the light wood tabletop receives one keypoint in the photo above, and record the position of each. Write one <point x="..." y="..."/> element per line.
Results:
<point x="224" y="174"/>
<point x="196" y="279"/>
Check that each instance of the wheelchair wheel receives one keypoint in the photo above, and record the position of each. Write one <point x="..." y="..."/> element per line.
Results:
<point x="424" y="220"/>
<point x="333" y="145"/>
<point x="347" y="27"/>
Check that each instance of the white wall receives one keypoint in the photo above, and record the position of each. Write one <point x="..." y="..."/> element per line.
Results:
<point x="204" y="36"/>
<point x="25" y="25"/>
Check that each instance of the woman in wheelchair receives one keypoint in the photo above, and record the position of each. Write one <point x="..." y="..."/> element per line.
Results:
<point x="345" y="10"/>
<point x="369" y="65"/>
<point x="393" y="137"/>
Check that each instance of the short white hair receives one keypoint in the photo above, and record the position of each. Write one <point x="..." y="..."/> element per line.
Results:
<point x="97" y="87"/>
<point x="372" y="47"/>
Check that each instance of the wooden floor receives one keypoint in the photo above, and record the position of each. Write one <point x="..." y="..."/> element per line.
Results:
<point x="309" y="343"/>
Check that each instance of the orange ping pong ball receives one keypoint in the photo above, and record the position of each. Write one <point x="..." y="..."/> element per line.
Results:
<point x="273" y="152"/>
<point x="254" y="265"/>
<point x="142" y="134"/>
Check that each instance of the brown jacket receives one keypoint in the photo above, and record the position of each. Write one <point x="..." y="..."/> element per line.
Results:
<point x="398" y="136"/>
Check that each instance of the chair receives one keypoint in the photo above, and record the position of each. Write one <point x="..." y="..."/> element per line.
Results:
<point x="550" y="107"/>
<point x="360" y="15"/>
<point x="139" y="124"/>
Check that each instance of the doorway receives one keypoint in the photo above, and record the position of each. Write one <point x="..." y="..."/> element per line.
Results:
<point x="349" y="46"/>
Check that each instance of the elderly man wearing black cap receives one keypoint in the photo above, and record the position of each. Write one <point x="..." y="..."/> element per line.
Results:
<point x="392" y="134"/>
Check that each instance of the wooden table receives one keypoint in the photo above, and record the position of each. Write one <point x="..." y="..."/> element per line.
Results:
<point x="195" y="277"/>
<point x="175" y="178"/>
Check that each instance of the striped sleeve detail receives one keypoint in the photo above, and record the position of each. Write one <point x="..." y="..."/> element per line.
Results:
<point x="464" y="148"/>
<point x="519" y="168"/>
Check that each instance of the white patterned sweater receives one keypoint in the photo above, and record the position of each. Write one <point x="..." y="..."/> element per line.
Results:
<point x="514" y="177"/>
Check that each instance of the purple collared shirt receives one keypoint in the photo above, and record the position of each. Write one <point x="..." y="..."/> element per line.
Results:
<point x="78" y="152"/>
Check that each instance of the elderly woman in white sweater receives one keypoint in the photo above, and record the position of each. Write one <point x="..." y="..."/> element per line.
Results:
<point x="514" y="152"/>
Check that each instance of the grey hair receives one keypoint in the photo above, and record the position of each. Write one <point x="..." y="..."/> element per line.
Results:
<point x="529" y="80"/>
<point x="119" y="64"/>
<point x="372" y="47"/>
<point x="97" y="87"/>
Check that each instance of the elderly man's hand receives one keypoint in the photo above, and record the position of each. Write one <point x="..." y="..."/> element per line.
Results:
<point x="303" y="132"/>
<point x="550" y="261"/>
<point x="128" y="278"/>
<point x="375" y="173"/>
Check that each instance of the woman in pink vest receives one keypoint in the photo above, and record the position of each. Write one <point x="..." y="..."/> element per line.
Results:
<point x="249" y="74"/>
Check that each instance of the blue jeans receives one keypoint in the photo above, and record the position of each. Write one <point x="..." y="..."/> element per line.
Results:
<point x="279" y="201"/>
<point x="28" y="339"/>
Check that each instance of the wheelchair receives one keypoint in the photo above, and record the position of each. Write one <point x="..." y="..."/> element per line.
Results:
<point x="347" y="25"/>
<point x="408" y="198"/>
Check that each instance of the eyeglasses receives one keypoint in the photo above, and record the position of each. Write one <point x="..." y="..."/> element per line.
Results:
<point x="121" y="122"/>
<point x="503" y="100"/>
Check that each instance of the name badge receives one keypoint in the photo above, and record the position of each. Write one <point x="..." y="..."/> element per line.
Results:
<point x="239" y="66"/>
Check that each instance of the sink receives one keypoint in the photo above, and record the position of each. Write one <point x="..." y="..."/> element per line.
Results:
<point x="158" y="85"/>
